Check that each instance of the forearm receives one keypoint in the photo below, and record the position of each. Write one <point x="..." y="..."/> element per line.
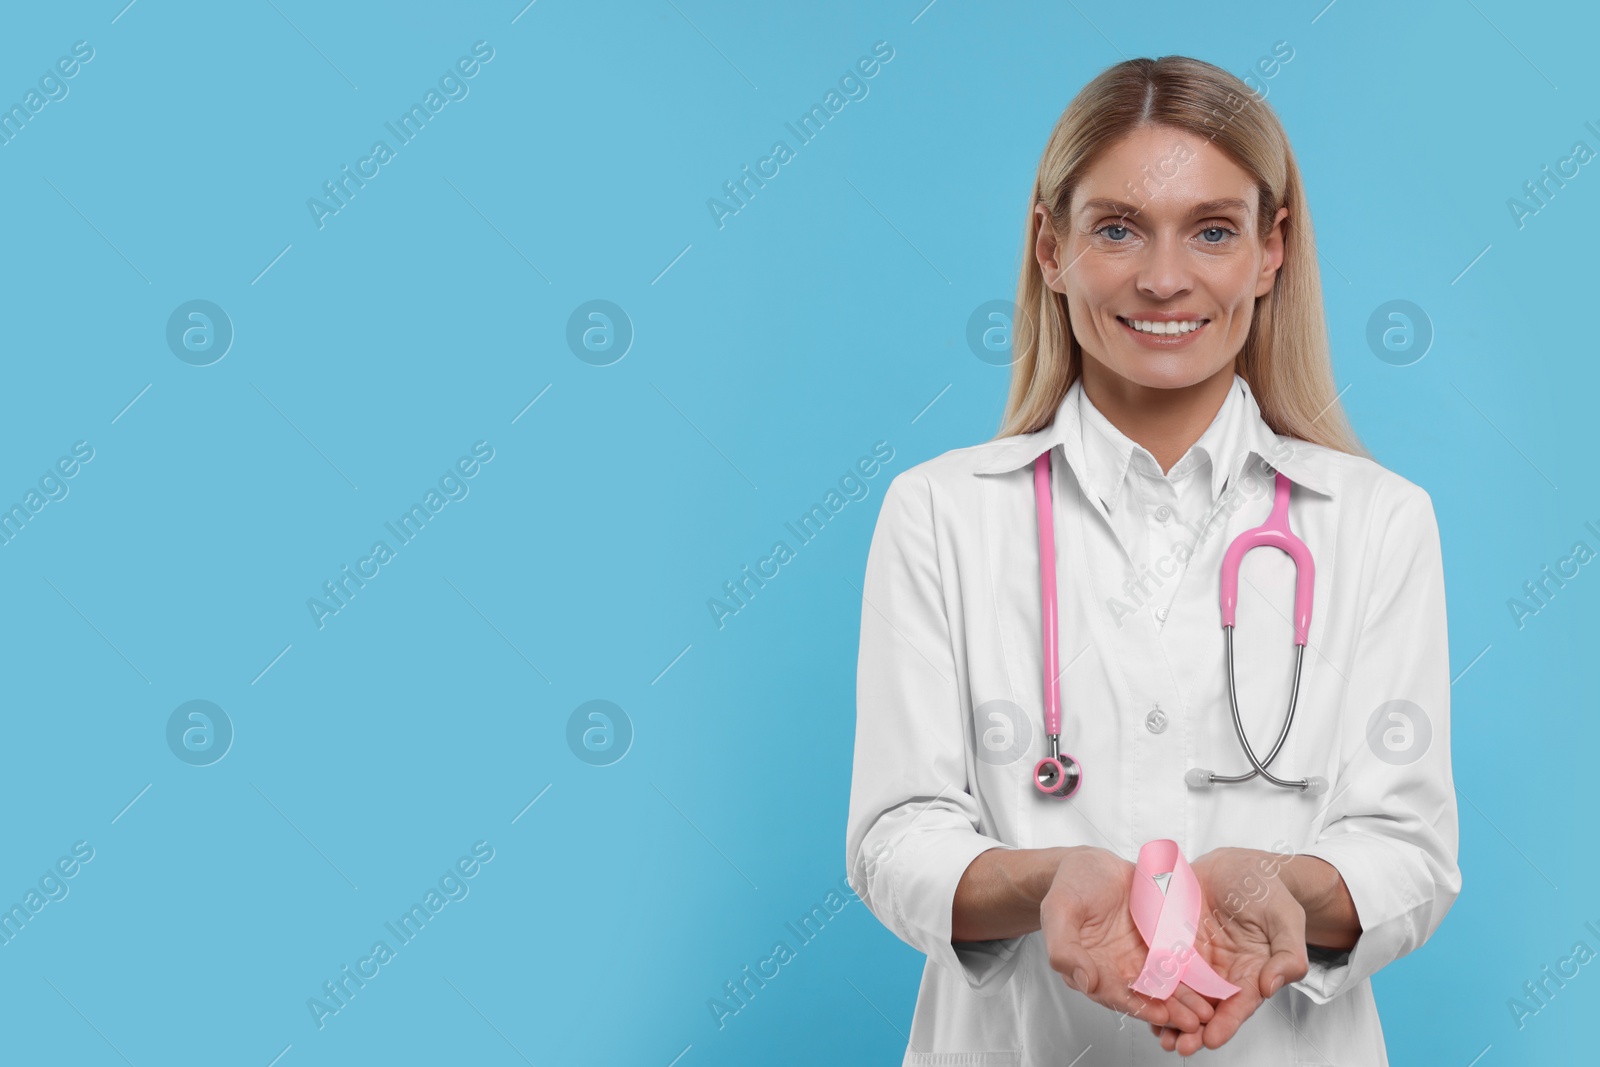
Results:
<point x="1331" y="920"/>
<point x="1000" y="892"/>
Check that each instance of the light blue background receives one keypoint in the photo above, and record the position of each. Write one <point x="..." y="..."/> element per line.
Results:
<point x="769" y="355"/>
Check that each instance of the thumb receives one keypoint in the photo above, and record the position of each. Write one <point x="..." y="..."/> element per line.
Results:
<point x="1067" y="955"/>
<point x="1074" y="963"/>
<point x="1272" y="977"/>
<point x="1287" y="961"/>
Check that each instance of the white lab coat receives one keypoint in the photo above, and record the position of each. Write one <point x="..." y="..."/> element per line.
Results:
<point x="950" y="720"/>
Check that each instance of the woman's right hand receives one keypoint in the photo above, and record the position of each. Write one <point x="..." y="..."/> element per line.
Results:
<point x="1093" y="943"/>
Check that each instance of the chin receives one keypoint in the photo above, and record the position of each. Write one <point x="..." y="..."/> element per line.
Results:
<point x="1159" y="371"/>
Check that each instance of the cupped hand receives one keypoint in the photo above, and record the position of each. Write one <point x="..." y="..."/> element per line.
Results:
<point x="1093" y="943"/>
<point x="1252" y="932"/>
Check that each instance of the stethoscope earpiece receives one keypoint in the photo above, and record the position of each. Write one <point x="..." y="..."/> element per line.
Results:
<point x="1200" y="778"/>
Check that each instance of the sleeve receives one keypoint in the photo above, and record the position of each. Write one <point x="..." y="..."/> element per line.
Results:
<point x="1391" y="824"/>
<point x="912" y="828"/>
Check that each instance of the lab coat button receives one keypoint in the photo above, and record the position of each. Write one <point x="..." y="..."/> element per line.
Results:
<point x="1161" y="613"/>
<point x="1163" y="513"/>
<point x="1156" y="721"/>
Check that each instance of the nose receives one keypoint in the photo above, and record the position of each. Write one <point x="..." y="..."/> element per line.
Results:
<point x="1164" y="269"/>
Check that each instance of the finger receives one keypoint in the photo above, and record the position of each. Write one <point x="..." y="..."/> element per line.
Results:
<point x="1079" y="972"/>
<point x="1183" y="1009"/>
<point x="1231" y="1014"/>
<point x="1195" y="1002"/>
<point x="1115" y="993"/>
<point x="1188" y="1044"/>
<point x="1119" y="998"/>
<point x="1181" y="1016"/>
<point x="1184" y="1044"/>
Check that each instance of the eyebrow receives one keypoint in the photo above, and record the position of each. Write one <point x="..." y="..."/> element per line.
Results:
<point x="1209" y="207"/>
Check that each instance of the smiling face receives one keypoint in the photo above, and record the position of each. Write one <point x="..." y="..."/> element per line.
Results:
<point x="1161" y="261"/>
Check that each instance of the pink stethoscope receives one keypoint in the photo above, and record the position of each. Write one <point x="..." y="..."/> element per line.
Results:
<point x="1058" y="774"/>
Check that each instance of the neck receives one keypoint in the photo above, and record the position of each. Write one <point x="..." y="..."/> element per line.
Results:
<point x="1165" y="421"/>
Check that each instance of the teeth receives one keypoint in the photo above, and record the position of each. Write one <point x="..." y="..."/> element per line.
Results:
<point x="1146" y="326"/>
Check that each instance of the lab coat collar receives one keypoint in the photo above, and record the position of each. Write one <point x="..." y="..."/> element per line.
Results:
<point x="1303" y="463"/>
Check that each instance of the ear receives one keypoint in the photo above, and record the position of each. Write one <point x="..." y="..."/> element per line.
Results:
<point x="1047" y="249"/>
<point x="1273" y="247"/>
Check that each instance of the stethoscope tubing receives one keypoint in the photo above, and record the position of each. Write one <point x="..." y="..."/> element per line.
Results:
<point x="1047" y="587"/>
<point x="1055" y="775"/>
<point x="1260" y="766"/>
<point x="1061" y="776"/>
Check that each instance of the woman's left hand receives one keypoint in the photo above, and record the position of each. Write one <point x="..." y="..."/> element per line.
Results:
<point x="1252" y="932"/>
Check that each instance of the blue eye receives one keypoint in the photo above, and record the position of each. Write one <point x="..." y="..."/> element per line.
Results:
<point x="1112" y="226"/>
<point x="1219" y="229"/>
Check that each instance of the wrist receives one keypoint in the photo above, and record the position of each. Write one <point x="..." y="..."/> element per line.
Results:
<point x="1307" y="880"/>
<point x="1236" y="870"/>
<point x="1001" y="892"/>
<point x="1041" y="875"/>
<point x="1332" y="921"/>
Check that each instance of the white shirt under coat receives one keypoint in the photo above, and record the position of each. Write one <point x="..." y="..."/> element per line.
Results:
<point x="950" y="714"/>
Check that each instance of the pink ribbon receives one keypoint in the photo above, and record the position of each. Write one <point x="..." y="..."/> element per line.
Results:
<point x="1168" y="924"/>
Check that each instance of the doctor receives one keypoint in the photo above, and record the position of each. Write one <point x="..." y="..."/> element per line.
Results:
<point x="1171" y="357"/>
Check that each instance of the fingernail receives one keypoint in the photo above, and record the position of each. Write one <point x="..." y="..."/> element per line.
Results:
<point x="1079" y="979"/>
<point x="1277" y="984"/>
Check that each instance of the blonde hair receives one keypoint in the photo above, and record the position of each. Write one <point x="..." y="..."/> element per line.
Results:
<point x="1285" y="357"/>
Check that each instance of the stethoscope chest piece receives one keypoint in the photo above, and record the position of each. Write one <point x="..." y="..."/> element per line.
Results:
<point x="1058" y="776"/>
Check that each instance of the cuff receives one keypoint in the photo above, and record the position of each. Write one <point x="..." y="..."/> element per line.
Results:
<point x="923" y="900"/>
<point x="1377" y="875"/>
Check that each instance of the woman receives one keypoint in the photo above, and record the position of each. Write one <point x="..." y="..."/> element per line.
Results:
<point x="1171" y="359"/>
